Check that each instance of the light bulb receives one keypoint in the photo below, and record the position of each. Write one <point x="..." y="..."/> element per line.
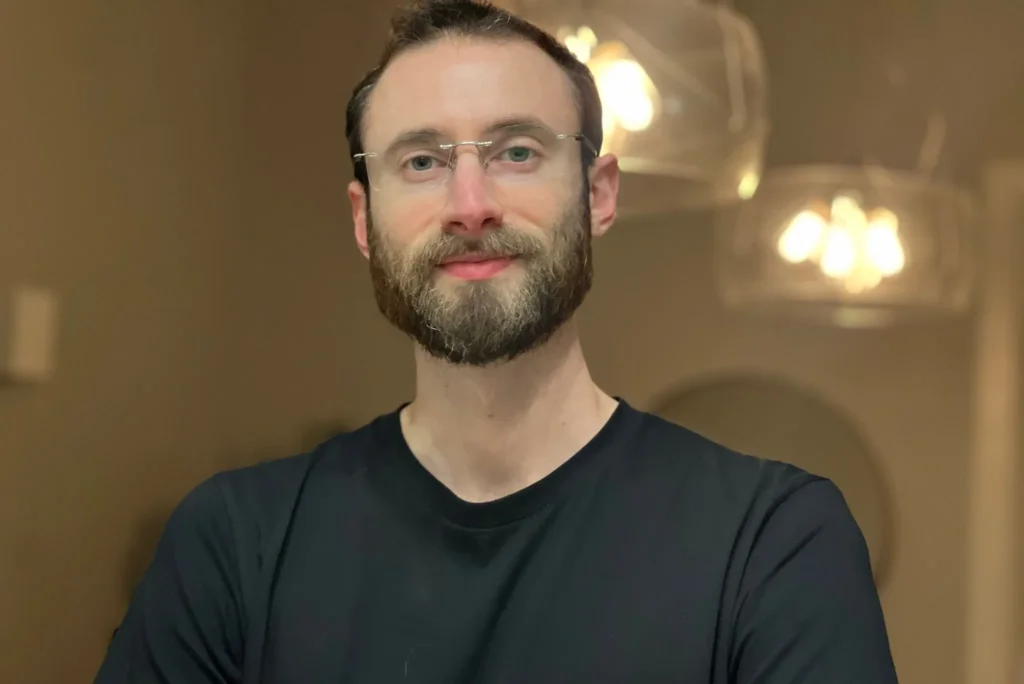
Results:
<point x="802" y="238"/>
<point x="847" y="213"/>
<point x="578" y="48"/>
<point x="629" y="100"/>
<point x="882" y="244"/>
<point x="587" y="35"/>
<point x="840" y="254"/>
<point x="861" y="249"/>
<point x="623" y="85"/>
<point x="579" y="42"/>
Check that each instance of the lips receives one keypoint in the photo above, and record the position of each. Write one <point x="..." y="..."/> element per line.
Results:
<point x="475" y="266"/>
<point x="474" y="258"/>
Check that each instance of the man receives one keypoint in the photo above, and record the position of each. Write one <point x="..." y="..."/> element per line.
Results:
<point x="513" y="523"/>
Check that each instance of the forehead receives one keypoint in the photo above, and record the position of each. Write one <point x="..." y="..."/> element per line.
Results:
<point x="462" y="86"/>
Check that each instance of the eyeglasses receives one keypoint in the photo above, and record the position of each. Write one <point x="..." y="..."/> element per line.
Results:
<point x="421" y="163"/>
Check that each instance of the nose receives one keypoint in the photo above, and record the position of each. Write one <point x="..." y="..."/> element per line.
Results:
<point x="471" y="207"/>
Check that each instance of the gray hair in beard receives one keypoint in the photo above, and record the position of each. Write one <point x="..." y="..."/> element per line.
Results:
<point x="479" y="323"/>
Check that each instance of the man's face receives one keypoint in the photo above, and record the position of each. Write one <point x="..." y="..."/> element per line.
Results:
<point x="491" y="257"/>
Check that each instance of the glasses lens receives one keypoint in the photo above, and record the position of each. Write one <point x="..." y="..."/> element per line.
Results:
<point x="519" y="155"/>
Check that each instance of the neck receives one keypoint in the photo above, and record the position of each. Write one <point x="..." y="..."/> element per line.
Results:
<point x="488" y="432"/>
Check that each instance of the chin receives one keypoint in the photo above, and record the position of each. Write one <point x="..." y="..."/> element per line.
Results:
<point x="501" y="291"/>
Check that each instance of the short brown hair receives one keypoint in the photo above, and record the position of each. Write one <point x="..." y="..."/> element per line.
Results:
<point x="428" y="20"/>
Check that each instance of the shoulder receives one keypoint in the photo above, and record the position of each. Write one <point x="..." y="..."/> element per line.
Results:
<point x="750" y="500"/>
<point x="734" y="478"/>
<point x="766" y="508"/>
<point x="797" y="598"/>
<point x="255" y="501"/>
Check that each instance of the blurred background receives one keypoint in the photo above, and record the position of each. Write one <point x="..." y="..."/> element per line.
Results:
<point x="180" y="292"/>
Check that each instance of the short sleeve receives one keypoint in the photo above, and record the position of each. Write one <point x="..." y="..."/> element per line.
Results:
<point x="184" y="623"/>
<point x="809" y="610"/>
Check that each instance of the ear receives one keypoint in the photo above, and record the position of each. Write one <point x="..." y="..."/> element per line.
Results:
<point x="604" y="193"/>
<point x="357" y="197"/>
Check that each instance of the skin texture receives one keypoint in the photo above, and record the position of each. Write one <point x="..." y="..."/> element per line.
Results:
<point x="503" y="392"/>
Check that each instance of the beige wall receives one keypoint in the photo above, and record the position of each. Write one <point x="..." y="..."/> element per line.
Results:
<point x="202" y="331"/>
<point x="118" y="124"/>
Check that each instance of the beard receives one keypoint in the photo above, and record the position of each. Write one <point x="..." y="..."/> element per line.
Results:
<point x="482" y="322"/>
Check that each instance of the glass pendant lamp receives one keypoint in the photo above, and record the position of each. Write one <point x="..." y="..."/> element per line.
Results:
<point x="684" y="93"/>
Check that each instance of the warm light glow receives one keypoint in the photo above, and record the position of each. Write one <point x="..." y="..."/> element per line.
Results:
<point x="580" y="42"/>
<point x="748" y="185"/>
<point x="847" y="213"/>
<point x="848" y="244"/>
<point x="628" y="96"/>
<point x="623" y="88"/>
<point x="803" y="237"/>
<point x="882" y="243"/>
<point x="840" y="254"/>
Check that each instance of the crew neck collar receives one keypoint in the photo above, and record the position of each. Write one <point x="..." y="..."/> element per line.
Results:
<point x="401" y="473"/>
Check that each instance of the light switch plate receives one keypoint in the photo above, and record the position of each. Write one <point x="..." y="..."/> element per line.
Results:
<point x="28" y="335"/>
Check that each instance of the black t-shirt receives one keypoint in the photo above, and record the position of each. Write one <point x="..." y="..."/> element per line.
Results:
<point x="651" y="556"/>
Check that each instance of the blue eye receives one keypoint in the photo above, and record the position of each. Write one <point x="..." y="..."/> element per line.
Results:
<point x="421" y="163"/>
<point x="518" y="154"/>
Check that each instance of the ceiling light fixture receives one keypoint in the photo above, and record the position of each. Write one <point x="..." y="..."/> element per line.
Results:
<point x="683" y="90"/>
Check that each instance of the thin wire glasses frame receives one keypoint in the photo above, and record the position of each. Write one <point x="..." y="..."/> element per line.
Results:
<point x="483" y="146"/>
<point x="579" y="137"/>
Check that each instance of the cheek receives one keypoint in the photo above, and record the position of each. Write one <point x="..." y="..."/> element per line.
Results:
<point x="401" y="227"/>
<point x="540" y="209"/>
<point x="400" y="238"/>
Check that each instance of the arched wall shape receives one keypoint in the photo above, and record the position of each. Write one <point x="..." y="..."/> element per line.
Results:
<point x="772" y="418"/>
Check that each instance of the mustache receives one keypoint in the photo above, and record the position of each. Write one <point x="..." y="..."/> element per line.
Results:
<point x="498" y="243"/>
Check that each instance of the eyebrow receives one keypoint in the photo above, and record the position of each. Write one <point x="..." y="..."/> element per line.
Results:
<point x="431" y="135"/>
